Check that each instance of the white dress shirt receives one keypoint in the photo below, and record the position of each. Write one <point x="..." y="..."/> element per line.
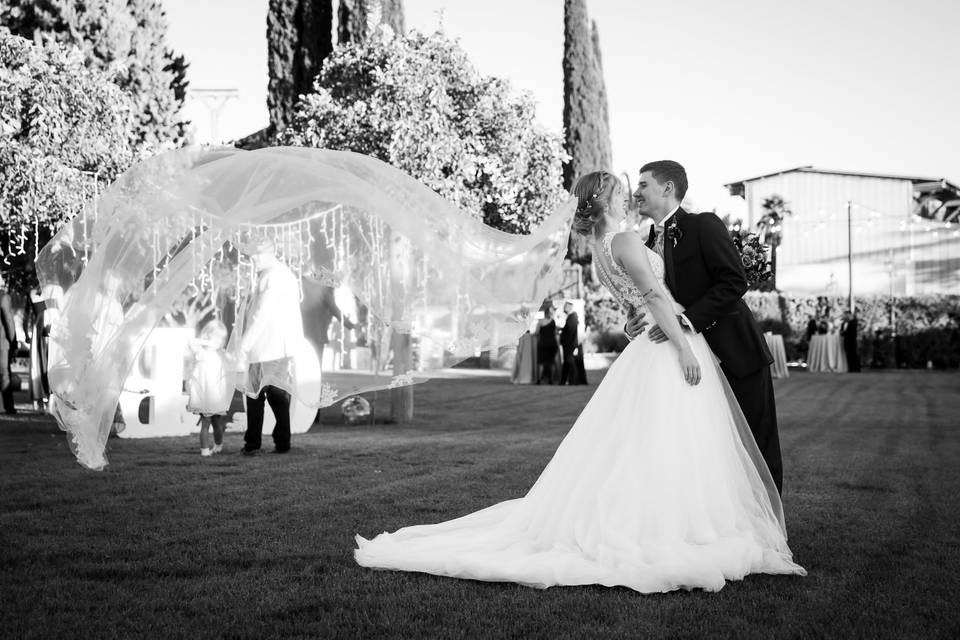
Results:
<point x="274" y="327"/>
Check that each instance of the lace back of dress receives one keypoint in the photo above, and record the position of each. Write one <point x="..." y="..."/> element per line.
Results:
<point x="614" y="278"/>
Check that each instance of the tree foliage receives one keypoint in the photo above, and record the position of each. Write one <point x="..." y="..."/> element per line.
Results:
<point x="67" y="128"/>
<point x="298" y="41"/>
<point x="770" y="224"/>
<point x="416" y="102"/>
<point x="127" y="40"/>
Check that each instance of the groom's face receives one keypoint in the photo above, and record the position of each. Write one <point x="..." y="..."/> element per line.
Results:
<point x="650" y="196"/>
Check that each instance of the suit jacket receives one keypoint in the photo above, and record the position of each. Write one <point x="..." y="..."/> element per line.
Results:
<point x="849" y="332"/>
<point x="8" y="339"/>
<point x="273" y="327"/>
<point x="319" y="308"/>
<point x="570" y="331"/>
<point x="705" y="275"/>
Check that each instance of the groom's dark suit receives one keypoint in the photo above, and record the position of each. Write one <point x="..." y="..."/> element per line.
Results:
<point x="705" y="275"/>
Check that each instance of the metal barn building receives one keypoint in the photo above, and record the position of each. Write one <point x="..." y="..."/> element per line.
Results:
<point x="904" y="240"/>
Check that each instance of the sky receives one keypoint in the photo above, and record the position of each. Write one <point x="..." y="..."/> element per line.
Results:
<point x="731" y="90"/>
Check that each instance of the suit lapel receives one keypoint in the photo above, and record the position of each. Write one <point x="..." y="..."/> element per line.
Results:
<point x="671" y="276"/>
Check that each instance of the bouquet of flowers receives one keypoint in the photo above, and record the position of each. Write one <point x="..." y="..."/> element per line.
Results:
<point x="753" y="256"/>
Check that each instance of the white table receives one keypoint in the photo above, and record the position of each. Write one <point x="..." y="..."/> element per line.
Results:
<point x="778" y="368"/>
<point x="826" y="354"/>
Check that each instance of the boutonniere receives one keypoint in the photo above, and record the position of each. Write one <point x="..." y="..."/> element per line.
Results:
<point x="672" y="232"/>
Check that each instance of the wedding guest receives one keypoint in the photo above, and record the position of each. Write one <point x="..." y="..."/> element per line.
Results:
<point x="46" y="308"/>
<point x="879" y="360"/>
<point x="571" y="371"/>
<point x="319" y="309"/>
<point x="209" y="384"/>
<point x="811" y="327"/>
<point x="848" y="330"/>
<point x="547" y="347"/>
<point x="8" y="347"/>
<point x="272" y="332"/>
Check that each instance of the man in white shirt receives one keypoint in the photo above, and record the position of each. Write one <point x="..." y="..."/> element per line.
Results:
<point x="272" y="333"/>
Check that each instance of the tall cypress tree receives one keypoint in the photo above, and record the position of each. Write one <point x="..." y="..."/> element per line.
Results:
<point x="393" y="15"/>
<point x="298" y="41"/>
<point x="353" y="20"/>
<point x="585" y="119"/>
<point x="125" y="38"/>
<point x="604" y="140"/>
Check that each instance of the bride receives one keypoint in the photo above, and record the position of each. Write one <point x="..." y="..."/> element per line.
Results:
<point x="658" y="486"/>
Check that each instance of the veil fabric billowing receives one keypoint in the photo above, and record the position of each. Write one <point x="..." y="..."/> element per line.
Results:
<point x="408" y="265"/>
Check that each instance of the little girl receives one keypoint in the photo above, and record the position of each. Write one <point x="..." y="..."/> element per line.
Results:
<point x="210" y="383"/>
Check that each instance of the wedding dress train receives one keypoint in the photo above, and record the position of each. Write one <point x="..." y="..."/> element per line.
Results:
<point x="657" y="486"/>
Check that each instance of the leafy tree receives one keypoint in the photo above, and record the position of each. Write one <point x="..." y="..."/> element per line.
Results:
<point x="67" y="130"/>
<point x="770" y="224"/>
<point x="415" y="102"/>
<point x="298" y="41"/>
<point x="585" y="118"/>
<point x="125" y="39"/>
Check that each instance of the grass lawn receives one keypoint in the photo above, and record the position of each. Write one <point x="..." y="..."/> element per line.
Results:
<point x="164" y="543"/>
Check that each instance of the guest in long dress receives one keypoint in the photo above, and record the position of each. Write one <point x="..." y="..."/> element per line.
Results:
<point x="849" y="330"/>
<point x="547" y="345"/>
<point x="572" y="371"/>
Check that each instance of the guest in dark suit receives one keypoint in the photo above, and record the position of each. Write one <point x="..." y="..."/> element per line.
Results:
<point x="571" y="371"/>
<point x="811" y="327"/>
<point x="8" y="347"/>
<point x="848" y="330"/>
<point x="704" y="272"/>
<point x="319" y="308"/>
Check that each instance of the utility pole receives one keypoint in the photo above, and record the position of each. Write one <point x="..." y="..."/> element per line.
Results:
<point x="849" y="258"/>
<point x="215" y="100"/>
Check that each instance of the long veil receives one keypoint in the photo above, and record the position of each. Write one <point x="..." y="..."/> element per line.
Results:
<point x="424" y="284"/>
<point x="762" y="481"/>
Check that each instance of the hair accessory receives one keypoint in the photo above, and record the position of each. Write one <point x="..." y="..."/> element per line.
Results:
<point x="593" y="196"/>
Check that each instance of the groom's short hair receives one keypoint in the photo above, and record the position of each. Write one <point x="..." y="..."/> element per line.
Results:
<point x="668" y="171"/>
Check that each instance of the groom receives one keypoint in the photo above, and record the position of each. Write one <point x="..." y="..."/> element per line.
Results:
<point x="704" y="273"/>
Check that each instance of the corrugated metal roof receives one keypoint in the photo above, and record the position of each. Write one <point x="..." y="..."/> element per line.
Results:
<point x="736" y="188"/>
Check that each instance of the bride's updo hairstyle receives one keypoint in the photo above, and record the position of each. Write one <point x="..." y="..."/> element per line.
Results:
<point x="594" y="192"/>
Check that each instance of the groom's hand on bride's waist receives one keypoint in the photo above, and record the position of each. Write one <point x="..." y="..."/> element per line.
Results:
<point x="656" y="334"/>
<point x="635" y="325"/>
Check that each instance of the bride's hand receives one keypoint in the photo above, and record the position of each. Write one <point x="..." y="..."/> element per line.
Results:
<point x="690" y="366"/>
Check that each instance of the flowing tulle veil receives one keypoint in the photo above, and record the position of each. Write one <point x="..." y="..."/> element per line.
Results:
<point x="171" y="226"/>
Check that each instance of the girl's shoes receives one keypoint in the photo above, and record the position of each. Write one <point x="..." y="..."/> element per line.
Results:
<point x="206" y="453"/>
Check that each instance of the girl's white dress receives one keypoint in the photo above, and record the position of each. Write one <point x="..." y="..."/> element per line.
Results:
<point x="210" y="380"/>
<point x="658" y="486"/>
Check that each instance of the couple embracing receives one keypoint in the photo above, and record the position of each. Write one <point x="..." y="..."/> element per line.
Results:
<point x="670" y="478"/>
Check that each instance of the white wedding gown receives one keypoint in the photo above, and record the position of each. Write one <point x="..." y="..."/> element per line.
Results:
<point x="658" y="486"/>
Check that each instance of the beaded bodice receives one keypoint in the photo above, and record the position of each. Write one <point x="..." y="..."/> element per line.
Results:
<point x="616" y="280"/>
